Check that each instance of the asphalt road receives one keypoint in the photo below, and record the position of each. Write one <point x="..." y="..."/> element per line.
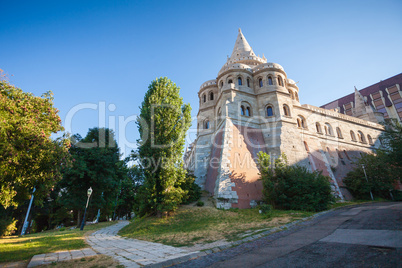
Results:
<point x="368" y="235"/>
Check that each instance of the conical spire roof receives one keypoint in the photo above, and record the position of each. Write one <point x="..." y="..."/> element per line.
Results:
<point x="241" y="48"/>
<point x="242" y="54"/>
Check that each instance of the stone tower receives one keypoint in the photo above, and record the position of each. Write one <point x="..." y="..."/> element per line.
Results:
<point x="253" y="106"/>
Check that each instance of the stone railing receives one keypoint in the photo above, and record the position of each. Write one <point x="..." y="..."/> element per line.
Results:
<point x="341" y="116"/>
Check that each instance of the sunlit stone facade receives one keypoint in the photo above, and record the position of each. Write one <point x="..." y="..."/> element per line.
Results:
<point x="253" y="106"/>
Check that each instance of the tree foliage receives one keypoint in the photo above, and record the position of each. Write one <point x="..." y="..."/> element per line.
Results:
<point x="96" y="164"/>
<point x="293" y="187"/>
<point x="28" y="156"/>
<point x="162" y="124"/>
<point x="383" y="169"/>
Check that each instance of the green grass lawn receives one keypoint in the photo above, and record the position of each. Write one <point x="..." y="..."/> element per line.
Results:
<point x="191" y="225"/>
<point x="18" y="248"/>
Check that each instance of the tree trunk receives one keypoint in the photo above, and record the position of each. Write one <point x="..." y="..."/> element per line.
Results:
<point x="78" y="218"/>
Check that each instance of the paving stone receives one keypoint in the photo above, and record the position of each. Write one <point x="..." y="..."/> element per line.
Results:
<point x="88" y="252"/>
<point x="76" y="254"/>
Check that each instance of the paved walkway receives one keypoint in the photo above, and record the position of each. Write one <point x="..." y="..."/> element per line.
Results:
<point x="67" y="255"/>
<point x="133" y="252"/>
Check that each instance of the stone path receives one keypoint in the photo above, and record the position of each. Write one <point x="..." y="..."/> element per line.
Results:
<point x="67" y="255"/>
<point x="136" y="253"/>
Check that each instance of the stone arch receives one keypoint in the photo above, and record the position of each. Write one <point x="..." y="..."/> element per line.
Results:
<point x="280" y="81"/>
<point x="245" y="109"/>
<point x="370" y="139"/>
<point x="239" y="80"/>
<point x="270" y="81"/>
<point x="328" y="129"/>
<point x="339" y="133"/>
<point x="361" y="137"/>
<point x="207" y="124"/>
<point x="269" y="110"/>
<point x="301" y="122"/>
<point x="318" y="127"/>
<point x="352" y="135"/>
<point x="286" y="110"/>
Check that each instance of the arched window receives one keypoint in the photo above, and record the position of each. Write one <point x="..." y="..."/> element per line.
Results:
<point x="230" y="81"/>
<point x="306" y="146"/>
<point x="370" y="140"/>
<point x="328" y="129"/>
<point x="291" y="94"/>
<point x="270" y="111"/>
<point x="301" y="122"/>
<point x="204" y="97"/>
<point x="242" y="110"/>
<point x="270" y="81"/>
<point x="260" y="82"/>
<point x="211" y="96"/>
<point x="206" y="125"/>
<point x="352" y="135"/>
<point x="296" y="96"/>
<point x="280" y="81"/>
<point x="361" y="136"/>
<point x="286" y="110"/>
<point x="239" y="80"/>
<point x="346" y="154"/>
<point x="339" y="133"/>
<point x="318" y="127"/>
<point x="248" y="82"/>
<point x="221" y="84"/>
<point x="248" y="111"/>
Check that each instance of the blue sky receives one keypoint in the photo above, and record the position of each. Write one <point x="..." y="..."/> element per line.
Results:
<point x="105" y="53"/>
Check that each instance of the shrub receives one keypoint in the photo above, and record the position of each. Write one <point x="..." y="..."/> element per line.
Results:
<point x="200" y="204"/>
<point x="266" y="210"/>
<point x="380" y="178"/>
<point x="192" y="189"/>
<point x="7" y="226"/>
<point x="294" y="187"/>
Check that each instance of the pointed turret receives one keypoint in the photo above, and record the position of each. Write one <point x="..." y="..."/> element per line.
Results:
<point x="242" y="54"/>
<point x="241" y="48"/>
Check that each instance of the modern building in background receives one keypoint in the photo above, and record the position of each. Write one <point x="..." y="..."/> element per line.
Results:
<point x="385" y="97"/>
<point x="252" y="106"/>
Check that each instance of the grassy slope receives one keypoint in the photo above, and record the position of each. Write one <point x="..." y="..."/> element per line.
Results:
<point x="191" y="225"/>
<point x="16" y="248"/>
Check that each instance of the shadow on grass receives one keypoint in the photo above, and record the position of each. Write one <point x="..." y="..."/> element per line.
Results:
<point x="16" y="248"/>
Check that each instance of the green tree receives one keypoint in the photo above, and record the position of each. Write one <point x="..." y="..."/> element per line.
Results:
<point x="162" y="124"/>
<point x="96" y="164"/>
<point x="28" y="156"/>
<point x="391" y="150"/>
<point x="128" y="196"/>
<point x="383" y="169"/>
<point x="293" y="187"/>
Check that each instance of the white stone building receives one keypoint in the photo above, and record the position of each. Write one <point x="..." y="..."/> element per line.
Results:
<point x="253" y="106"/>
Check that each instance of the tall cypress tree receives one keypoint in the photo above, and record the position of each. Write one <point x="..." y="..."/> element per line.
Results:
<point x="163" y="123"/>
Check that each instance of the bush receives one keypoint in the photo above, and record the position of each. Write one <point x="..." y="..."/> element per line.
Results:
<point x="266" y="210"/>
<point x="381" y="177"/>
<point x="200" y="204"/>
<point x="7" y="226"/>
<point x="294" y="187"/>
<point x="192" y="189"/>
